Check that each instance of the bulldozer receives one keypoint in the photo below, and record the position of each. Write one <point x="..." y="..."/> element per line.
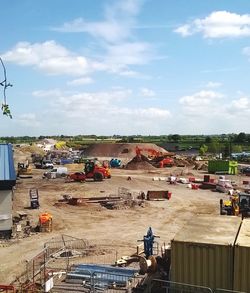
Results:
<point x="237" y="204"/>
<point x="24" y="168"/>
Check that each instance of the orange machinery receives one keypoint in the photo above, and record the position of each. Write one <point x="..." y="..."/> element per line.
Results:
<point x="45" y="222"/>
<point x="162" y="158"/>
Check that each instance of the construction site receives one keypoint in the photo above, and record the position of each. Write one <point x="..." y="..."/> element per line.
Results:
<point x="127" y="218"/>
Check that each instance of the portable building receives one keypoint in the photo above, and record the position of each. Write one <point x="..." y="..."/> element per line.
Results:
<point x="7" y="181"/>
<point x="242" y="258"/>
<point x="223" y="166"/>
<point x="202" y="252"/>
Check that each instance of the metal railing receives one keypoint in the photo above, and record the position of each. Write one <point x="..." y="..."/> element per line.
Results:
<point x="95" y="282"/>
<point x="161" y="286"/>
<point x="227" y="291"/>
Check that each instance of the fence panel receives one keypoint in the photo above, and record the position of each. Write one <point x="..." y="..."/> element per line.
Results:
<point x="161" y="286"/>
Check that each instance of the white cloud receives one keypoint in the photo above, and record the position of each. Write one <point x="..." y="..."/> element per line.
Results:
<point x="200" y="99"/>
<point x="49" y="57"/>
<point x="147" y="92"/>
<point x="219" y="24"/>
<point x="47" y="93"/>
<point x="120" y="56"/>
<point x="246" y="51"/>
<point x="110" y="31"/>
<point x="212" y="84"/>
<point x="116" y="26"/>
<point x="80" y="81"/>
<point x="104" y="112"/>
<point x="241" y="105"/>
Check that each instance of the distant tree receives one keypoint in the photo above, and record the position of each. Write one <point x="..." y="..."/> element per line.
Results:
<point x="227" y="150"/>
<point x="214" y="147"/>
<point x="174" y="137"/>
<point x="241" y="137"/>
<point x="208" y="139"/>
<point x="131" y="139"/>
<point x="203" y="149"/>
<point x="237" y="148"/>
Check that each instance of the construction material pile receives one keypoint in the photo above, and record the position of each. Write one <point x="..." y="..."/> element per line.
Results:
<point x="140" y="163"/>
<point x="123" y="200"/>
<point x="119" y="150"/>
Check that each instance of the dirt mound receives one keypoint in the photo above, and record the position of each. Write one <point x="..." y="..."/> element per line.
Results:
<point x="139" y="163"/>
<point x="120" y="150"/>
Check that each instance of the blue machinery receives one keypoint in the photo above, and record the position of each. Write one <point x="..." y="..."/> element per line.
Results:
<point x="148" y="241"/>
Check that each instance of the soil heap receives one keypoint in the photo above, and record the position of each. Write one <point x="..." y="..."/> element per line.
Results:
<point x="139" y="163"/>
<point x="120" y="150"/>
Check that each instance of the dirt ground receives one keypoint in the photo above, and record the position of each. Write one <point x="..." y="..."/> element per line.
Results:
<point x="98" y="224"/>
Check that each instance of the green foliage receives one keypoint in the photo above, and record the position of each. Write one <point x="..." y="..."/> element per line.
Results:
<point x="174" y="137"/>
<point x="214" y="147"/>
<point x="203" y="149"/>
<point x="6" y="110"/>
<point x="237" y="148"/>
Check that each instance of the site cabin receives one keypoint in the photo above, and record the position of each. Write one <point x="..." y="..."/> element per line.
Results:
<point x="7" y="182"/>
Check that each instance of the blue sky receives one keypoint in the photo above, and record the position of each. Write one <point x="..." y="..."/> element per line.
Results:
<point x="126" y="66"/>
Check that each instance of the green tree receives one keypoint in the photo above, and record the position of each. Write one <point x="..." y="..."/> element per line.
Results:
<point x="237" y="148"/>
<point x="241" y="137"/>
<point x="203" y="149"/>
<point x="214" y="147"/>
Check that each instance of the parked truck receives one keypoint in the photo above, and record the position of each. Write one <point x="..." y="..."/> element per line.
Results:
<point x="56" y="173"/>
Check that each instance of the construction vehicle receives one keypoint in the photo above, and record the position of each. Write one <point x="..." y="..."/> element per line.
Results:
<point x="92" y="170"/>
<point x="45" y="222"/>
<point x="237" y="204"/>
<point x="95" y="170"/>
<point x="34" y="198"/>
<point x="166" y="162"/>
<point x="151" y="153"/>
<point x="56" y="173"/>
<point x="157" y="158"/>
<point x="44" y="164"/>
<point x="24" y="169"/>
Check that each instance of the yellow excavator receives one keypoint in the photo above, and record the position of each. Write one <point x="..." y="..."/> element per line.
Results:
<point x="24" y="168"/>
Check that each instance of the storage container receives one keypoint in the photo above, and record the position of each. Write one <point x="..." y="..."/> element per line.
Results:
<point x="242" y="258"/>
<point x="202" y="252"/>
<point x="222" y="166"/>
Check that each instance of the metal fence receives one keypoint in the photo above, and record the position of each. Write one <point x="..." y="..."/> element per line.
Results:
<point x="161" y="286"/>
<point x="227" y="291"/>
<point x="95" y="282"/>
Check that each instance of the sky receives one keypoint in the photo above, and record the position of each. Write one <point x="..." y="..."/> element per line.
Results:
<point x="125" y="67"/>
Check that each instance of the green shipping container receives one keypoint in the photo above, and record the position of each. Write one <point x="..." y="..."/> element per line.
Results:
<point x="223" y="166"/>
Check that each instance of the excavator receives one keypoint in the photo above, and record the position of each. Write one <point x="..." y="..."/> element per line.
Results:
<point x="160" y="159"/>
<point x="237" y="204"/>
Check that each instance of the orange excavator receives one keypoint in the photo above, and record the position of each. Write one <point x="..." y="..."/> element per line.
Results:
<point x="151" y="153"/>
<point x="161" y="159"/>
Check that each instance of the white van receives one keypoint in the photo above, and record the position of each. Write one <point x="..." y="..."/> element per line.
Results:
<point x="56" y="173"/>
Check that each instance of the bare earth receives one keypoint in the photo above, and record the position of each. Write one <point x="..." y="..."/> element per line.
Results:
<point x="100" y="225"/>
